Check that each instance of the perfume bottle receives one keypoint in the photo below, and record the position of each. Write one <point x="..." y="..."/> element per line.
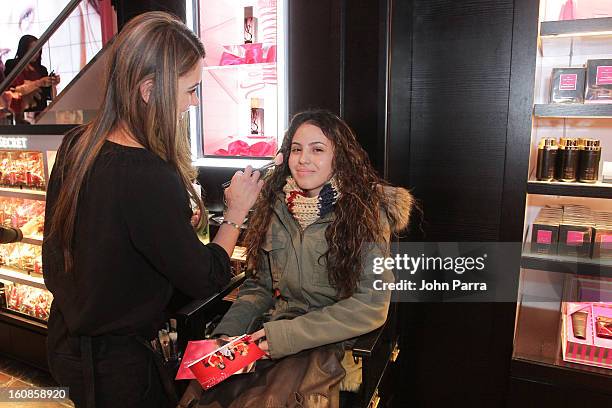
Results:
<point x="590" y="154"/>
<point x="257" y="117"/>
<point x="567" y="160"/>
<point x="250" y="26"/>
<point x="547" y="156"/>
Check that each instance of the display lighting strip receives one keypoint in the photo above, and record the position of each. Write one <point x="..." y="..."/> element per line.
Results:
<point x="579" y="34"/>
<point x="236" y="163"/>
<point x="22" y="278"/>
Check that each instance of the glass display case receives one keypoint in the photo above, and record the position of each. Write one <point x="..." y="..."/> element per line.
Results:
<point x="25" y="165"/>
<point x="243" y="108"/>
<point x="564" y="309"/>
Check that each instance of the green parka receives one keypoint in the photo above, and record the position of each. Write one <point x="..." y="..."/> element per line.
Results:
<point x="290" y="262"/>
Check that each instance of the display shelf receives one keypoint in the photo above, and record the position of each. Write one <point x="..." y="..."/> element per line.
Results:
<point x="32" y="241"/>
<point x="22" y="193"/>
<point x="594" y="190"/>
<point x="569" y="265"/>
<point x="20" y="277"/>
<point x="244" y="89"/>
<point x="246" y="67"/>
<point x="562" y="375"/>
<point x="576" y="28"/>
<point x="537" y="353"/>
<point x="575" y="110"/>
<point x="26" y="322"/>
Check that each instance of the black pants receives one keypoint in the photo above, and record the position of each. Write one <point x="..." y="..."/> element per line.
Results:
<point x="109" y="371"/>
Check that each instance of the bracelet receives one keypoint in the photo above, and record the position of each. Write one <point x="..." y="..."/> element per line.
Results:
<point x="233" y="224"/>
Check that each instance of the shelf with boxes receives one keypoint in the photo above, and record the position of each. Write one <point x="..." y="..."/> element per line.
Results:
<point x="539" y="355"/>
<point x="22" y="193"/>
<point x="566" y="264"/>
<point x="572" y="126"/>
<point x="554" y="188"/>
<point x="24" y="171"/>
<point x="576" y="28"/>
<point x="574" y="236"/>
<point x="557" y="110"/>
<point x="568" y="219"/>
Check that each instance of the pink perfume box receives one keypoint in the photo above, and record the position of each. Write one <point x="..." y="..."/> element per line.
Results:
<point x="594" y="350"/>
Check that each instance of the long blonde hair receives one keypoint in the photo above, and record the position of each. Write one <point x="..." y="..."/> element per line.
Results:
<point x="153" y="46"/>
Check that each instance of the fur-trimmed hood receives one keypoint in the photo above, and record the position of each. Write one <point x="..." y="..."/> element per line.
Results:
<point x="399" y="207"/>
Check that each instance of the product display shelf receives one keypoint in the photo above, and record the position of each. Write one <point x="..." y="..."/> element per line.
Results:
<point x="21" y="206"/>
<point x="29" y="324"/>
<point x="575" y="28"/>
<point x="245" y="67"/>
<point x="20" y="277"/>
<point x="32" y="241"/>
<point x="244" y="94"/>
<point x="563" y="375"/>
<point x="538" y="356"/>
<point x="538" y="353"/>
<point x="593" y="190"/>
<point x="569" y="265"/>
<point x="22" y="193"/>
<point x="575" y="110"/>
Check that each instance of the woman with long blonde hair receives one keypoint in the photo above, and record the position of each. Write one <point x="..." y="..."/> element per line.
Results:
<point x="118" y="238"/>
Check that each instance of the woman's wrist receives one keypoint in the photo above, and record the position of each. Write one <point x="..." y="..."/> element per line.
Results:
<point x="235" y="216"/>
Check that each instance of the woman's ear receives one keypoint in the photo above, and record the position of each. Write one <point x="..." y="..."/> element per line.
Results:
<point x="145" y="90"/>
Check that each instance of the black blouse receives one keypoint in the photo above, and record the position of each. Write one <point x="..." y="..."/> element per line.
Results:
<point x="133" y="245"/>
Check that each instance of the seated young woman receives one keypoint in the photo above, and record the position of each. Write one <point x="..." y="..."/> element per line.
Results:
<point x="320" y="217"/>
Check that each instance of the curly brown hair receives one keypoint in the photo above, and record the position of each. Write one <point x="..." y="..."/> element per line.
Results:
<point x="358" y="217"/>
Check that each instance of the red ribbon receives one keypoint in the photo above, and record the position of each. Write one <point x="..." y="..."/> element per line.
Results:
<point x="248" y="54"/>
<point x="242" y="148"/>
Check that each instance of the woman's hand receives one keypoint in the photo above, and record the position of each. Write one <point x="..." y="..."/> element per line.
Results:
<point x="263" y="344"/>
<point x="55" y="79"/>
<point x="195" y="218"/>
<point x="5" y="99"/>
<point x="44" y="82"/>
<point x="242" y="194"/>
<point x="223" y="339"/>
<point x="240" y="197"/>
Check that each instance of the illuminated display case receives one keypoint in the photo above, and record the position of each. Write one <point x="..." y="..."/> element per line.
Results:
<point x="243" y="108"/>
<point x="565" y="289"/>
<point x="25" y="165"/>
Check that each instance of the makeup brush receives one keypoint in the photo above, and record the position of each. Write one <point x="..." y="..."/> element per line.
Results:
<point x="278" y="159"/>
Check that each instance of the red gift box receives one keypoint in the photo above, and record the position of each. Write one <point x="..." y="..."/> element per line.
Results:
<point x="211" y="364"/>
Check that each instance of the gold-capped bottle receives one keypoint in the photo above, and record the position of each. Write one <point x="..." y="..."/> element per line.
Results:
<point x="547" y="156"/>
<point x="590" y="155"/>
<point x="567" y="159"/>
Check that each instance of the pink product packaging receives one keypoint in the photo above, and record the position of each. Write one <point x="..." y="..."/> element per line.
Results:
<point x="599" y="81"/>
<point x="584" y="333"/>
